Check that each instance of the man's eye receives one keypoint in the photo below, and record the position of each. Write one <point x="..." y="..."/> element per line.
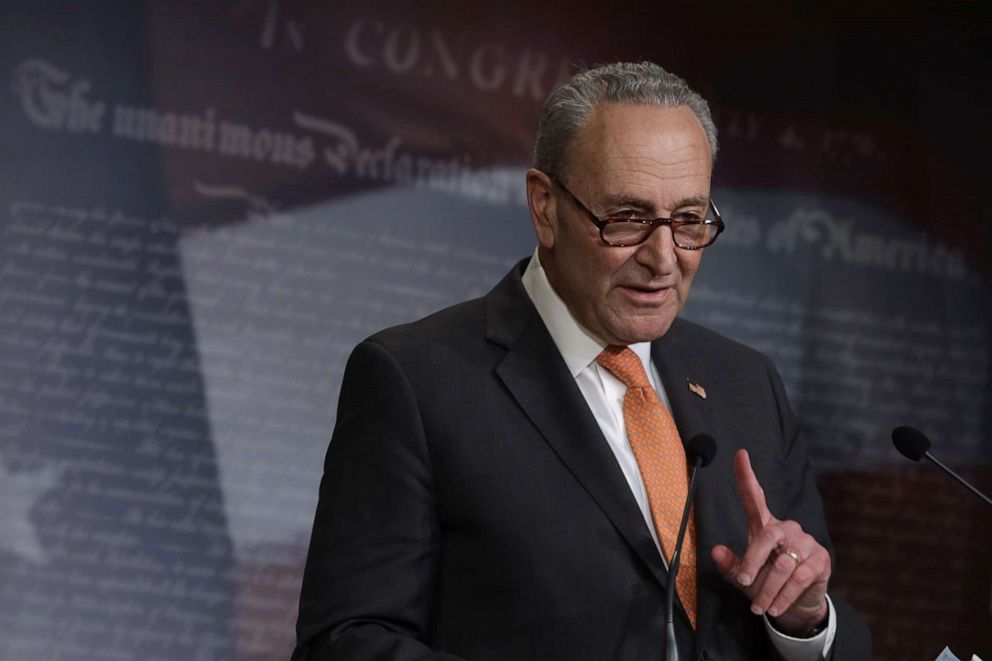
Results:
<point x="626" y="214"/>
<point x="687" y="217"/>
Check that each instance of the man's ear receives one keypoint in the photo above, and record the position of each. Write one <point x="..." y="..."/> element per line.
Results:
<point x="543" y="211"/>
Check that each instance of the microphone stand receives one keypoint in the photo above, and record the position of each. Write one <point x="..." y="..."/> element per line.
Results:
<point x="966" y="483"/>
<point x="671" y="648"/>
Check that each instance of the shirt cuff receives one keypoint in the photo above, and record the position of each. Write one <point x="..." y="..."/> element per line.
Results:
<point x="805" y="649"/>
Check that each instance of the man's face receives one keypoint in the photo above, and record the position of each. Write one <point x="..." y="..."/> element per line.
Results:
<point x="628" y="161"/>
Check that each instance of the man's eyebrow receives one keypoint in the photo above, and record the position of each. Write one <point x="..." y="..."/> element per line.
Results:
<point x="635" y="202"/>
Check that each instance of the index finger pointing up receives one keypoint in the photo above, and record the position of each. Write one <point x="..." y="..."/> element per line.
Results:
<point x="752" y="495"/>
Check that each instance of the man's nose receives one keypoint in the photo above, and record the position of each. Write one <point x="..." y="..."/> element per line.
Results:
<point x="658" y="251"/>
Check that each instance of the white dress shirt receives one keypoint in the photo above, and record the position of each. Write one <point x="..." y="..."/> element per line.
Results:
<point x="604" y="393"/>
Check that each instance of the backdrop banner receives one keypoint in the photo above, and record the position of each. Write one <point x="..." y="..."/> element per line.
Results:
<point x="205" y="206"/>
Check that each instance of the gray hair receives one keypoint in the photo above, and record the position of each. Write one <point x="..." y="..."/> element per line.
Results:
<point x="566" y="110"/>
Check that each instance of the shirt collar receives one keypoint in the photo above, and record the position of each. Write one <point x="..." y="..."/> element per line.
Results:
<point x="578" y="347"/>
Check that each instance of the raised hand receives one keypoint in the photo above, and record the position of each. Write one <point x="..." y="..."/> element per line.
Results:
<point x="784" y="571"/>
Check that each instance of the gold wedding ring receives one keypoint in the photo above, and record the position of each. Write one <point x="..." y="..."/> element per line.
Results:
<point x="792" y="554"/>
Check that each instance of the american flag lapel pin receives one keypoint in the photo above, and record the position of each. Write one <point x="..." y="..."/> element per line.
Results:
<point x="696" y="389"/>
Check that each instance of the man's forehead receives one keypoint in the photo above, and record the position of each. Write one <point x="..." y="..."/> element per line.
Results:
<point x="630" y="200"/>
<point x="606" y="112"/>
<point x="660" y="146"/>
<point x="619" y="118"/>
<point x="620" y="128"/>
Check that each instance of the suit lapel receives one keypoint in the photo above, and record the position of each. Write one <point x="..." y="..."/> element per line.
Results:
<point x="537" y="378"/>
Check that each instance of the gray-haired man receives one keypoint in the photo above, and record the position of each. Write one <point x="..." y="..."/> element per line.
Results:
<point x="488" y="492"/>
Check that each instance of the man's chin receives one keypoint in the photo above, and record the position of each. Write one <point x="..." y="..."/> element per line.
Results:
<point x="641" y="332"/>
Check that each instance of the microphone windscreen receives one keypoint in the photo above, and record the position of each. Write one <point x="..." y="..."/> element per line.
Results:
<point x="910" y="442"/>
<point x="701" y="448"/>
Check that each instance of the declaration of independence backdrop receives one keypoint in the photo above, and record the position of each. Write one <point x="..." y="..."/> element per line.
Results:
<point x="205" y="206"/>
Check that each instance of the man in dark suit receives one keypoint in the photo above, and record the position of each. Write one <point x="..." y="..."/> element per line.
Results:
<point x="488" y="492"/>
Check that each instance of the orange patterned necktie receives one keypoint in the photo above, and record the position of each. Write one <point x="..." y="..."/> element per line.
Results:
<point x="661" y="460"/>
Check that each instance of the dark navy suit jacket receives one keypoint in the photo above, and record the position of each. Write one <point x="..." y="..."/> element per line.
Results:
<point x="471" y="509"/>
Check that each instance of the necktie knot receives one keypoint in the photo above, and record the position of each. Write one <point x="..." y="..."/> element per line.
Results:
<point x="624" y="364"/>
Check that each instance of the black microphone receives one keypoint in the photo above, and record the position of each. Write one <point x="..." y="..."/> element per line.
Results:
<point x="913" y="444"/>
<point x="699" y="452"/>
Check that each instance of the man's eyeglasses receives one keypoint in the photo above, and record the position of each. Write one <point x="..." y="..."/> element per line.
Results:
<point x="689" y="230"/>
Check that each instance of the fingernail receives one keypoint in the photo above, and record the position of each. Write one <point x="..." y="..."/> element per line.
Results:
<point x="744" y="579"/>
<point x="773" y="612"/>
<point x="756" y="610"/>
